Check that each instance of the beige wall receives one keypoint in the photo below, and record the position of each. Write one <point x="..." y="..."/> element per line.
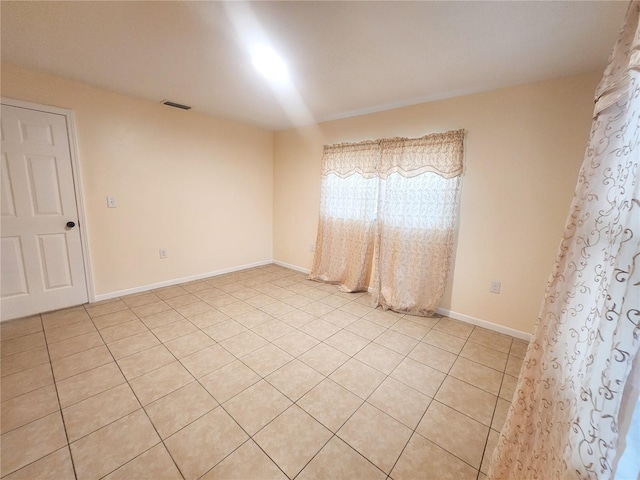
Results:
<point x="524" y="146"/>
<point x="215" y="193"/>
<point x="198" y="186"/>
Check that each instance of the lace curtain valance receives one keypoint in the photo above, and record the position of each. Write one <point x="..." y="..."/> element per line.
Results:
<point x="440" y="153"/>
<point x="345" y="159"/>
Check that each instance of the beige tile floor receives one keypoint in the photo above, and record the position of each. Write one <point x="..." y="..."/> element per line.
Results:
<point x="256" y="374"/>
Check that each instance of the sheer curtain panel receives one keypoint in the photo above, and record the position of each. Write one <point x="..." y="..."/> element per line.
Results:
<point x="417" y="215"/>
<point x="565" y="420"/>
<point x="348" y="195"/>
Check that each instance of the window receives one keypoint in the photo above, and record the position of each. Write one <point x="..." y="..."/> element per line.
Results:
<point x="399" y="197"/>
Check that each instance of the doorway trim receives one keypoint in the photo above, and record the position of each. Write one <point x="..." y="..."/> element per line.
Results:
<point x="77" y="180"/>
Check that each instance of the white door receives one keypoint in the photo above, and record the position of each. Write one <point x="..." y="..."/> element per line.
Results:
<point x="41" y="252"/>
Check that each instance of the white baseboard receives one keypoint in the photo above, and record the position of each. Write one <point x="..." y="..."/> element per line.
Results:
<point x="167" y="283"/>
<point x="176" y="281"/>
<point x="485" y="324"/>
<point x="292" y="267"/>
<point x="447" y="313"/>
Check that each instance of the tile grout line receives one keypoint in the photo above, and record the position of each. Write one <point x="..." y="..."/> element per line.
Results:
<point x="351" y="357"/>
<point x="141" y="407"/>
<point x="251" y="437"/>
<point x="415" y="430"/>
<point x="333" y="308"/>
<point x="365" y="401"/>
<point x="55" y="385"/>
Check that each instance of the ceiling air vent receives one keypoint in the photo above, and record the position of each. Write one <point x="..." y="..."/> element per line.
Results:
<point x="176" y="105"/>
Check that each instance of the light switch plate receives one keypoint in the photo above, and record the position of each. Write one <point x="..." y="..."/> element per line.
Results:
<point x="111" y="202"/>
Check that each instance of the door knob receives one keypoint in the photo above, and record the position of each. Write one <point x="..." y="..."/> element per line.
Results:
<point x="71" y="224"/>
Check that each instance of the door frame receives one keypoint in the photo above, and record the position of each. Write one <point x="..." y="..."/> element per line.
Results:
<point x="77" y="181"/>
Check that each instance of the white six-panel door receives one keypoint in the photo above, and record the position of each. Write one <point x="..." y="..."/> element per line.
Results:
<point x="41" y="257"/>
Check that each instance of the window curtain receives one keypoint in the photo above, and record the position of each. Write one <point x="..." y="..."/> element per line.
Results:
<point x="566" y="420"/>
<point x="399" y="198"/>
<point x="417" y="215"/>
<point x="348" y="195"/>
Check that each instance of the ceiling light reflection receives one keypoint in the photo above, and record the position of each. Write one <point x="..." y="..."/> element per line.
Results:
<point x="270" y="64"/>
<point x="256" y="42"/>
